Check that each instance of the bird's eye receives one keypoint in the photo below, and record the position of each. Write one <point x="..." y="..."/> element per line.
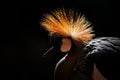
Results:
<point x="60" y="42"/>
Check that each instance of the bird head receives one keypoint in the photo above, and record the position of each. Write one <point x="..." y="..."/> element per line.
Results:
<point x="72" y="28"/>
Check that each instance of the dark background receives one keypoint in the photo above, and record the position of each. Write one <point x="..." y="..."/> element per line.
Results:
<point x="23" y="40"/>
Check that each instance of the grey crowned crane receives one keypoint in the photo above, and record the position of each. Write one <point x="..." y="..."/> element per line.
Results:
<point x="85" y="58"/>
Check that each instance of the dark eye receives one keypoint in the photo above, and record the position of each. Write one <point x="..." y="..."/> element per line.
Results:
<point x="60" y="42"/>
<point x="55" y="41"/>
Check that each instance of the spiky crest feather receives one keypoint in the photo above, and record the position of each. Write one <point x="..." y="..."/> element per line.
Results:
<point x="68" y="24"/>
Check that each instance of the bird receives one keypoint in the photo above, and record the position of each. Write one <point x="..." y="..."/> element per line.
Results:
<point x="85" y="57"/>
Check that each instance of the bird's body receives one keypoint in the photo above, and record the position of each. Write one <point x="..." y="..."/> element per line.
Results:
<point x="82" y="51"/>
<point x="104" y="52"/>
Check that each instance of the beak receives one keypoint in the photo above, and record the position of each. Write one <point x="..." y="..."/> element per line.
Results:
<point x="64" y="47"/>
<point x="47" y="52"/>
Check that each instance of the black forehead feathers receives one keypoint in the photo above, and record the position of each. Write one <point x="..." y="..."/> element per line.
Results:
<point x="55" y="41"/>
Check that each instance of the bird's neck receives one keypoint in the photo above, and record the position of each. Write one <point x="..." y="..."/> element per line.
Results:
<point x="76" y="61"/>
<point x="75" y="52"/>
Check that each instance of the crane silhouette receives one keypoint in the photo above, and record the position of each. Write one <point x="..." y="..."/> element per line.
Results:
<point x="85" y="57"/>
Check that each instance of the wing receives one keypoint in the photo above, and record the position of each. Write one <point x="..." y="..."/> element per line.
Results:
<point x="105" y="53"/>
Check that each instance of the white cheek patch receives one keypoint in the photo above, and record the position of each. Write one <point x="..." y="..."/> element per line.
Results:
<point x="66" y="45"/>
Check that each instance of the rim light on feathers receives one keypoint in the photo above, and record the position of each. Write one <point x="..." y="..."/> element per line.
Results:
<point x="68" y="23"/>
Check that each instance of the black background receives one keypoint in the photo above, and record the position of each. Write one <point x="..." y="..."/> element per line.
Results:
<point x="23" y="40"/>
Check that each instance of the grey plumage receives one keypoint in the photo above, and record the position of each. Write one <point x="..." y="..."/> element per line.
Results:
<point x="105" y="53"/>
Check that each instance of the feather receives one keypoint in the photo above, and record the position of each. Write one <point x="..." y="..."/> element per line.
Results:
<point x="68" y="23"/>
<point x="105" y="53"/>
<point x="103" y="45"/>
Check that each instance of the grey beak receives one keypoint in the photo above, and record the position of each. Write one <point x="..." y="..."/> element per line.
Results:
<point x="47" y="51"/>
